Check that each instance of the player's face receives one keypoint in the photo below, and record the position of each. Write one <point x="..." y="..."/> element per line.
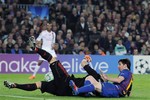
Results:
<point x="121" y="66"/>
<point x="49" y="27"/>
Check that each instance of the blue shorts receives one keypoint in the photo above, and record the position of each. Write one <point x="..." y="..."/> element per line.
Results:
<point x="109" y="90"/>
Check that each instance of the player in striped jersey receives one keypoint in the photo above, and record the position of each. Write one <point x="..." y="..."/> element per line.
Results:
<point x="120" y="87"/>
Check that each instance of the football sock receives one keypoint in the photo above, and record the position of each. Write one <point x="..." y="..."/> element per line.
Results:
<point x="87" y="82"/>
<point x="27" y="87"/>
<point x="47" y="56"/>
<point x="92" y="72"/>
<point x="86" y="88"/>
<point x="36" y="70"/>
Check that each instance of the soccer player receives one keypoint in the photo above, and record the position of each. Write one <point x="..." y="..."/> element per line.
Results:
<point x="46" y="41"/>
<point x="60" y="77"/>
<point x="120" y="87"/>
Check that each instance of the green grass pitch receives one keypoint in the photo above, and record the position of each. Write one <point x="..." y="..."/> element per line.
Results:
<point x="140" y="91"/>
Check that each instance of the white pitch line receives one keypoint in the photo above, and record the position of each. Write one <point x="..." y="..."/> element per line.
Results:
<point x="25" y="97"/>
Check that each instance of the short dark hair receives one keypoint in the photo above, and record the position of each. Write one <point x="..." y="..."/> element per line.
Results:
<point x="126" y="61"/>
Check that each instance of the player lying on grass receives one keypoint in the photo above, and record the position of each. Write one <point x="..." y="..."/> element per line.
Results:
<point x="60" y="84"/>
<point x="120" y="87"/>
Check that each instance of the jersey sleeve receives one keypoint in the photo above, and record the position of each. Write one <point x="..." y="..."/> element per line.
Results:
<point x="124" y="74"/>
<point x="54" y="39"/>
<point x="40" y="36"/>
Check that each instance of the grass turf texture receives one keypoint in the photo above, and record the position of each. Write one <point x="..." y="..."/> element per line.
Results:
<point x="140" y="91"/>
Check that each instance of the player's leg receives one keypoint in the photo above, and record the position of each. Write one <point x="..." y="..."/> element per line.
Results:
<point x="93" y="73"/>
<point x="36" y="70"/>
<point x="90" y="86"/>
<point x="90" y="71"/>
<point x="45" y="55"/>
<point x="27" y="87"/>
<point x="61" y="77"/>
<point x="44" y="86"/>
<point x="48" y="87"/>
<point x="56" y="67"/>
<point x="59" y="72"/>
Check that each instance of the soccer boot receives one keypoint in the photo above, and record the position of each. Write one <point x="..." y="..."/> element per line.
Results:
<point x="88" y="58"/>
<point x="32" y="42"/>
<point x="32" y="77"/>
<point x="9" y="85"/>
<point x="74" y="87"/>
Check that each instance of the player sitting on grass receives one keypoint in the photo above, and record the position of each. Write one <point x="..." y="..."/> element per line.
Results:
<point x="120" y="87"/>
<point x="60" y="77"/>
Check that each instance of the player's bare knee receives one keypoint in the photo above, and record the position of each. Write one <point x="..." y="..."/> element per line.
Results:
<point x="98" y="86"/>
<point x="91" y="79"/>
<point x="38" y="84"/>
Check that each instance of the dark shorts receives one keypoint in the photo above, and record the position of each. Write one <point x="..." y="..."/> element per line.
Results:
<point x="48" y="87"/>
<point x="109" y="90"/>
<point x="52" y="88"/>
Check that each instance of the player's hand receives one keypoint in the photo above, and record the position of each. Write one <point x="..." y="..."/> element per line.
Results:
<point x="103" y="76"/>
<point x="87" y="58"/>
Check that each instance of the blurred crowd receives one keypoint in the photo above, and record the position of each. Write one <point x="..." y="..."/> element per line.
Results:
<point x="98" y="27"/>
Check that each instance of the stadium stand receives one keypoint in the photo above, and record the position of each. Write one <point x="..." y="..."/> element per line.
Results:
<point x="81" y="26"/>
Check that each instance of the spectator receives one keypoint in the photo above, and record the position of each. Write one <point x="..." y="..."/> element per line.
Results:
<point x="128" y="43"/>
<point x="133" y="46"/>
<point x="92" y="45"/>
<point x="110" y="44"/>
<point x="120" y="48"/>
<point x="27" y="50"/>
<point x="81" y="27"/>
<point x="135" y="51"/>
<point x="81" y="45"/>
<point x="10" y="45"/>
<point x="20" y="43"/>
<point x="115" y="20"/>
<point x="103" y="40"/>
<point x="73" y="19"/>
<point x="16" y="49"/>
<point x="65" y="50"/>
<point x="148" y="42"/>
<point x="101" y="51"/>
<point x="81" y="52"/>
<point x="56" y="48"/>
<point x="1" y="42"/>
<point x="95" y="49"/>
<point x="93" y="34"/>
<point x="60" y="43"/>
<point x="75" y="49"/>
<point x="69" y="40"/>
<point x="9" y="24"/>
<point x="148" y="50"/>
<point x="143" y="50"/>
<point x="4" y="49"/>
